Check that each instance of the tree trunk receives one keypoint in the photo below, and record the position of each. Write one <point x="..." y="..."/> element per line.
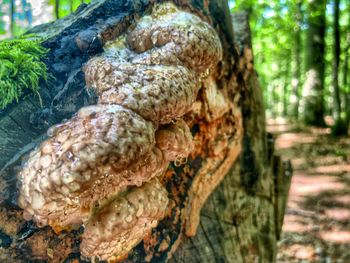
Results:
<point x="296" y="73"/>
<point x="339" y="127"/>
<point x="346" y="81"/>
<point x="27" y="11"/>
<point x="12" y="16"/>
<point x="346" y="87"/>
<point x="57" y="9"/>
<point x="240" y="221"/>
<point x="286" y="94"/>
<point x="313" y="89"/>
<point x="71" y="5"/>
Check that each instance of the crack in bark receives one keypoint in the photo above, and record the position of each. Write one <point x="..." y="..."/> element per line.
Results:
<point x="208" y="239"/>
<point x="20" y="126"/>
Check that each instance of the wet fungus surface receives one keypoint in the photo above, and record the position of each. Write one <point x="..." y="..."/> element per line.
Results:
<point x="103" y="168"/>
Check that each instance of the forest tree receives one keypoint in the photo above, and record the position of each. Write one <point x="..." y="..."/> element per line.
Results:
<point x="238" y="222"/>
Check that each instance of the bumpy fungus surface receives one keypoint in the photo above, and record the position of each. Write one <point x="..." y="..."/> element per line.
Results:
<point x="102" y="167"/>
<point x="118" y="225"/>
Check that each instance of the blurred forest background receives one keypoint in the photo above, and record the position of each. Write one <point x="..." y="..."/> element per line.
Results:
<point x="17" y="16"/>
<point x="301" y="52"/>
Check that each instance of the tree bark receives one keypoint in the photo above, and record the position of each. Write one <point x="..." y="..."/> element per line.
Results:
<point x="313" y="89"/>
<point x="346" y="85"/>
<point x="339" y="127"/>
<point x="12" y="16"/>
<point x="296" y="70"/>
<point x="286" y="94"/>
<point x="57" y="9"/>
<point x="346" y="80"/>
<point x="240" y="222"/>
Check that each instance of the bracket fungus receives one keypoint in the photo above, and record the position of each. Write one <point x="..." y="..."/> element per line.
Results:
<point x="103" y="167"/>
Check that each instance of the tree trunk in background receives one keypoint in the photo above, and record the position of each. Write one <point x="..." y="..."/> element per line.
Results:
<point x="57" y="9"/>
<point x="12" y="16"/>
<point x="296" y="70"/>
<point x="71" y="2"/>
<point x="339" y="127"/>
<point x="27" y="11"/>
<point x="313" y="88"/>
<point x="275" y="100"/>
<point x="286" y="94"/>
<point x="346" y="85"/>
<point x="240" y="222"/>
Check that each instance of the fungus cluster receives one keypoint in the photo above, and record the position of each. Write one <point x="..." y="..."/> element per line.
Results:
<point x="102" y="168"/>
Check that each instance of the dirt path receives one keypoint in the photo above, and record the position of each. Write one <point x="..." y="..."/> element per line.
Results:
<point x="317" y="222"/>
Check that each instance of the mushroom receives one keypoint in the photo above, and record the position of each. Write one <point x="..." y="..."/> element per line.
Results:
<point x="103" y="167"/>
<point x="122" y="223"/>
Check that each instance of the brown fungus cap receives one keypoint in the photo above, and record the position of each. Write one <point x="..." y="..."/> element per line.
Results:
<point x="158" y="93"/>
<point x="102" y="167"/>
<point x="79" y="152"/>
<point x="173" y="37"/>
<point x="175" y="140"/>
<point x="124" y="221"/>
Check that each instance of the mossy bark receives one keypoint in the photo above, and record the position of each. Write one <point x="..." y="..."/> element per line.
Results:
<point x="241" y="220"/>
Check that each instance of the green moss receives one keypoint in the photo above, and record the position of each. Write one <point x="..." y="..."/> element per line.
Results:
<point x="21" y="67"/>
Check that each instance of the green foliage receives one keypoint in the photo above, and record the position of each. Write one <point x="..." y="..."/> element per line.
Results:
<point x="21" y="68"/>
<point x="2" y="23"/>
<point x="275" y="25"/>
<point x="67" y="6"/>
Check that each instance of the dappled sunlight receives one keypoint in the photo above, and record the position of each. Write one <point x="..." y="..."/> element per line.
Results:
<point x="288" y="140"/>
<point x="303" y="252"/>
<point x="329" y="120"/>
<point x="306" y="185"/>
<point x="279" y="121"/>
<point x="330" y="169"/>
<point x="294" y="223"/>
<point x="338" y="213"/>
<point x="345" y="200"/>
<point x="279" y="125"/>
<point x="328" y="160"/>
<point x="298" y="162"/>
<point x="323" y="164"/>
<point x="280" y="128"/>
<point x="335" y="236"/>
<point x="317" y="220"/>
<point x="320" y="131"/>
<point x="295" y="201"/>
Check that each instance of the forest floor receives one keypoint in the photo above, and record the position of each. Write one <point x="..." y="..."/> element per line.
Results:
<point x="317" y="221"/>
